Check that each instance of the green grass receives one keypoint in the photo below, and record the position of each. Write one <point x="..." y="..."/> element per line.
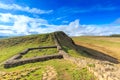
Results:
<point x="104" y="41"/>
<point x="107" y="45"/>
<point x="65" y="70"/>
<point x="69" y="46"/>
<point x="12" y="46"/>
<point x="40" y="52"/>
<point x="72" y="52"/>
<point x="91" y="65"/>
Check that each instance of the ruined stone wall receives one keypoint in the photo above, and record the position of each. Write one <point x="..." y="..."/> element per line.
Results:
<point x="102" y="70"/>
<point x="13" y="63"/>
<point x="59" y="47"/>
<point x="16" y="60"/>
<point x="19" y="55"/>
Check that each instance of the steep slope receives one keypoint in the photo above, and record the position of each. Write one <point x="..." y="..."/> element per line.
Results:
<point x="68" y="44"/>
<point x="96" y="62"/>
<point x="106" y="45"/>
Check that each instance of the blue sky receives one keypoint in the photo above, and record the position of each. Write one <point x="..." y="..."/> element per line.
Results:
<point x="75" y="17"/>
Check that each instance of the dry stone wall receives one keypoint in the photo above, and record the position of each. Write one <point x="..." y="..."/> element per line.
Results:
<point x="59" y="47"/>
<point x="13" y="63"/>
<point x="16" y="60"/>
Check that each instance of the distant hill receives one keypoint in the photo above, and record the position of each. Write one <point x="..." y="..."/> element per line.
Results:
<point x="4" y="36"/>
<point x="115" y="35"/>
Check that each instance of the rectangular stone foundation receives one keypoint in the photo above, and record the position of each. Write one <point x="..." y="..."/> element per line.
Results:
<point x="14" y="63"/>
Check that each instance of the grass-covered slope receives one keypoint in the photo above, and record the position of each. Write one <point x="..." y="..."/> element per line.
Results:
<point x="107" y="45"/>
<point x="12" y="46"/>
<point x="42" y="52"/>
<point x="68" y="45"/>
<point x="60" y="69"/>
<point x="65" y="70"/>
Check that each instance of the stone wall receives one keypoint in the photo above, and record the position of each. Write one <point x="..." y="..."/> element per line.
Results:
<point x="59" y="47"/>
<point x="29" y="49"/>
<point x="103" y="70"/>
<point x="13" y="63"/>
<point x="19" y="55"/>
<point x="16" y="60"/>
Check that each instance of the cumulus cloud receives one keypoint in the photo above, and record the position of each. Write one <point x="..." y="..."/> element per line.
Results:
<point x="24" y="25"/>
<point x="21" y="24"/>
<point x="25" y="8"/>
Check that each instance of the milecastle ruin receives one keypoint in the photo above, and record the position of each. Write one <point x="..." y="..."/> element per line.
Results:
<point x="103" y="65"/>
<point x="58" y="38"/>
<point x="16" y="60"/>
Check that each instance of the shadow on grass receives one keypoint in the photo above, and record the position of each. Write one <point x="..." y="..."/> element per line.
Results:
<point x="96" y="54"/>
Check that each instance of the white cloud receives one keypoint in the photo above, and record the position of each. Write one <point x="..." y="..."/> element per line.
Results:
<point x="5" y="17"/>
<point x="24" y="25"/>
<point x="117" y="21"/>
<point x="6" y="31"/>
<point x="23" y="8"/>
<point x="21" y="24"/>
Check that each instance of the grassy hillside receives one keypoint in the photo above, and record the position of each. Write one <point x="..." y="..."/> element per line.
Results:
<point x="65" y="71"/>
<point x="115" y="35"/>
<point x="62" y="69"/>
<point x="43" y="52"/>
<point x="69" y="46"/>
<point x="107" y="45"/>
<point x="12" y="46"/>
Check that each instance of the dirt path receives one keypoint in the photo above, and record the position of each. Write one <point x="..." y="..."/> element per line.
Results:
<point x="105" y="70"/>
<point x="49" y="74"/>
